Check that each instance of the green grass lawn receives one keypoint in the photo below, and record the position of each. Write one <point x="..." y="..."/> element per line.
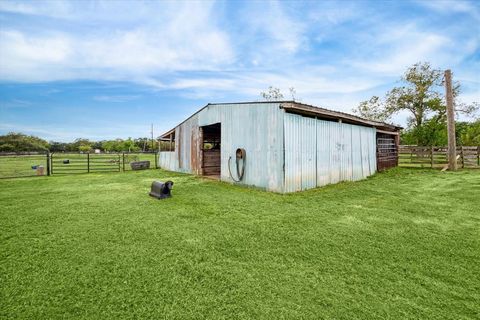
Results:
<point x="21" y="165"/>
<point x="404" y="244"/>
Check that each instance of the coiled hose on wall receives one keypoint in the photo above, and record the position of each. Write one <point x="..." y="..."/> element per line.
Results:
<point x="240" y="155"/>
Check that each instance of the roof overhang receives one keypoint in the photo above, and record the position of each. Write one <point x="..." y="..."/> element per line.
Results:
<point x="308" y="110"/>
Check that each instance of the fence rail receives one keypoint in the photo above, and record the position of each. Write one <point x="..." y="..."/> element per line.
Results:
<point x="436" y="157"/>
<point x="13" y="165"/>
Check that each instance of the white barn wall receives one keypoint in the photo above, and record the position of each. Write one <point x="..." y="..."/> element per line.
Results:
<point x="319" y="152"/>
<point x="257" y="128"/>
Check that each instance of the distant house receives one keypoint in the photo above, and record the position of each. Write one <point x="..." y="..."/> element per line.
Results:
<point x="281" y="146"/>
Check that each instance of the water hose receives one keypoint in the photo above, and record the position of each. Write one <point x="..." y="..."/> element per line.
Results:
<point x="240" y="155"/>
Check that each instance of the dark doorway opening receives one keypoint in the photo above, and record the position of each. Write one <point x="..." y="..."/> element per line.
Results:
<point x="211" y="147"/>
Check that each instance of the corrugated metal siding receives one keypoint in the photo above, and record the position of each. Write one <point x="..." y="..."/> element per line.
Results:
<point x="300" y="158"/>
<point x="168" y="160"/>
<point x="187" y="147"/>
<point x="339" y="152"/>
<point x="258" y="128"/>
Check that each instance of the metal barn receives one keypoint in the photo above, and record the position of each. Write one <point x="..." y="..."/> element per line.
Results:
<point x="281" y="146"/>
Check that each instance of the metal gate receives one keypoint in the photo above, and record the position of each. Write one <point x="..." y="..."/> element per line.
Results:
<point x="71" y="163"/>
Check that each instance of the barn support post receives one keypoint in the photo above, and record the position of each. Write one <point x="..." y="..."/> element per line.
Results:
<point x="48" y="163"/>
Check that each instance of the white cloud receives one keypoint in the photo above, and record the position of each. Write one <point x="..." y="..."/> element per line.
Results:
<point x="270" y="33"/>
<point x="449" y="6"/>
<point x="116" y="98"/>
<point x="391" y="50"/>
<point x="57" y="9"/>
<point x="30" y="58"/>
<point x="187" y="40"/>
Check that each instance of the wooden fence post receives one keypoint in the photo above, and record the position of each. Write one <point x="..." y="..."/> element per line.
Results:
<point x="123" y="161"/>
<point x="48" y="163"/>
<point x="462" y="156"/>
<point x="431" y="156"/>
<point x="88" y="162"/>
<point x="156" y="160"/>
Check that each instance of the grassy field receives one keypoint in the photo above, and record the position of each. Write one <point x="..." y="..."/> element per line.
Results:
<point x="404" y="244"/>
<point x="21" y="165"/>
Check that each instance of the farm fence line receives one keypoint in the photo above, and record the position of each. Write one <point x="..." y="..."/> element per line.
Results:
<point x="437" y="157"/>
<point x="28" y="164"/>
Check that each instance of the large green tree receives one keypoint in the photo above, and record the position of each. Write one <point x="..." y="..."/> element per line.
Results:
<point x="421" y="95"/>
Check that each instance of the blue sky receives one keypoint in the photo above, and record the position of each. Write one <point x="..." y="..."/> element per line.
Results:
<point x="107" y="69"/>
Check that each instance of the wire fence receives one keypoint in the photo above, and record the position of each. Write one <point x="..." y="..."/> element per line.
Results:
<point x="16" y="165"/>
<point x="22" y="164"/>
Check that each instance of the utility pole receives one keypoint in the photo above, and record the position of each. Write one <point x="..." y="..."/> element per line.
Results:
<point x="452" y="146"/>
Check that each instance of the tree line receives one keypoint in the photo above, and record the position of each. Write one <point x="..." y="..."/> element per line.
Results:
<point x="422" y="96"/>
<point x="19" y="142"/>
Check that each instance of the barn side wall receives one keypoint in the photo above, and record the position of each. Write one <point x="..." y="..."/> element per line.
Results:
<point x="257" y="128"/>
<point x="319" y="152"/>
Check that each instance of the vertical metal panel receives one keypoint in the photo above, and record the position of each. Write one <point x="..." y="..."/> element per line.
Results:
<point x="309" y="149"/>
<point x="187" y="146"/>
<point x="324" y="145"/>
<point x="342" y="152"/>
<point x="293" y="176"/>
<point x="168" y="160"/>
<point x="350" y="151"/>
<point x="364" y="142"/>
<point x="300" y="153"/>
<point x="357" y="171"/>
<point x="334" y="134"/>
